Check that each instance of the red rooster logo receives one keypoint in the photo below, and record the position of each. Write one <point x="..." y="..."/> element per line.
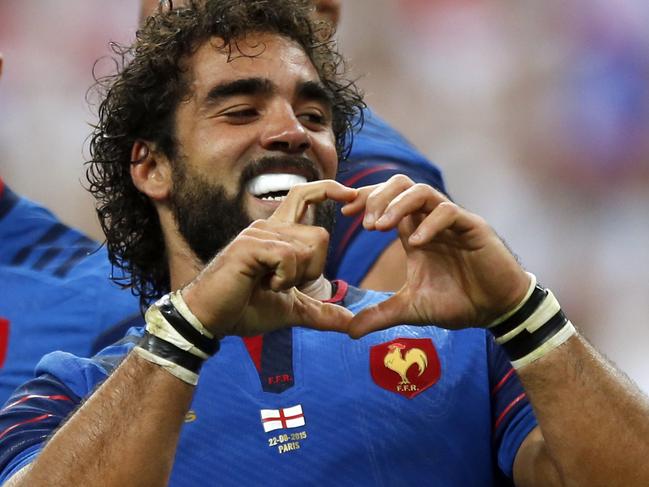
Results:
<point x="397" y="362"/>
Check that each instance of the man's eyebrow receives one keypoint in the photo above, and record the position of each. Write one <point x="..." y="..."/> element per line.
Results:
<point x="314" y="90"/>
<point x="245" y="86"/>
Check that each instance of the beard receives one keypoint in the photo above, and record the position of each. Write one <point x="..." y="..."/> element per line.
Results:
<point x="208" y="219"/>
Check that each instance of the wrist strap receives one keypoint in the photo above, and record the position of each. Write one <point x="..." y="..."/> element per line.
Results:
<point x="177" y="362"/>
<point x="534" y="328"/>
<point x="175" y="339"/>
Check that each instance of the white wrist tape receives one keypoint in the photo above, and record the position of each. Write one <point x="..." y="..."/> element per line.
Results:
<point x="548" y="308"/>
<point x="182" y="373"/>
<point x="157" y="325"/>
<point x="558" y="339"/>
<point x="179" y="303"/>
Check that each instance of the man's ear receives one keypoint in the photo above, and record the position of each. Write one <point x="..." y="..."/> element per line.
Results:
<point x="150" y="171"/>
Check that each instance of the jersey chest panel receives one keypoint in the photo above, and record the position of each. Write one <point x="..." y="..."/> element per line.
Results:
<point x="354" y="432"/>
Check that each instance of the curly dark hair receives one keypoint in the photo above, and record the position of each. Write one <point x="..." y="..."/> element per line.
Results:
<point x="139" y="103"/>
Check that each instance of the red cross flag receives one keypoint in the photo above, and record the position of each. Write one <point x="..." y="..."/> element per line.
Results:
<point x="275" y="419"/>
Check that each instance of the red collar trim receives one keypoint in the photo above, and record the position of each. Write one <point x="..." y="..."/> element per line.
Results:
<point x="341" y="292"/>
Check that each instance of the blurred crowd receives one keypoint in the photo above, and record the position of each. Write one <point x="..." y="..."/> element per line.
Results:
<point x="538" y="113"/>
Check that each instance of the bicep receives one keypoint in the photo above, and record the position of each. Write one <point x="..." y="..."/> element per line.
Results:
<point x="16" y="479"/>
<point x="388" y="273"/>
<point x="533" y="466"/>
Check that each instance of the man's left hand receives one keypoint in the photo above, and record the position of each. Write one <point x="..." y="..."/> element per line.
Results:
<point x="459" y="272"/>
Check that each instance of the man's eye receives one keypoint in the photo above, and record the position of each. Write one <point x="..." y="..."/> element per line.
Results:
<point x="242" y="113"/>
<point x="313" y="118"/>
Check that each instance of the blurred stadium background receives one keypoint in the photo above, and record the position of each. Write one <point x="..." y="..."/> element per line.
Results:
<point x="538" y="113"/>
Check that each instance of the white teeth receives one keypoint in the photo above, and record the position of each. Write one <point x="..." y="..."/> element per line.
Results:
<point x="268" y="183"/>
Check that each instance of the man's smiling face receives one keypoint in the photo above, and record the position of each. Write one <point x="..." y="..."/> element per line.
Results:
<point x="257" y="121"/>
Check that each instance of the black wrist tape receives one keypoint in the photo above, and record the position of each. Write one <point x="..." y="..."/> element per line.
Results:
<point x="525" y="342"/>
<point x="530" y="306"/>
<point x="207" y="345"/>
<point x="170" y="352"/>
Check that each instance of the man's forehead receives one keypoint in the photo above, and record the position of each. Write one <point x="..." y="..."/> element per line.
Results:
<point x="264" y="55"/>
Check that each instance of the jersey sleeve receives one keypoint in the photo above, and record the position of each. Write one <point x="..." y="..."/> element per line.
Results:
<point x="512" y="415"/>
<point x="29" y="417"/>
<point x="353" y="251"/>
<point x="37" y="408"/>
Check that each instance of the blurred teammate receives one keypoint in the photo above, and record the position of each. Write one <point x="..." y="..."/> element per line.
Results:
<point x="225" y="108"/>
<point x="55" y="291"/>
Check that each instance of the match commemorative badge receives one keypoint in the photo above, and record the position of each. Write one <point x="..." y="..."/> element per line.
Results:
<point x="284" y="419"/>
<point x="407" y="366"/>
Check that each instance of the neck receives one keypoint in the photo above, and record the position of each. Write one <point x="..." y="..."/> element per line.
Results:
<point x="184" y="265"/>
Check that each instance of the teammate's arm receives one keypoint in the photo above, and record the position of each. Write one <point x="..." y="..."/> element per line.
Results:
<point x="389" y="271"/>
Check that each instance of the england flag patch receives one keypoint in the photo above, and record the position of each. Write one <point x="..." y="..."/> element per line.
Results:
<point x="275" y="419"/>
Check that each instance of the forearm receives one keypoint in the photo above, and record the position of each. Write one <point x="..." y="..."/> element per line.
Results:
<point x="594" y="421"/>
<point x="125" y="434"/>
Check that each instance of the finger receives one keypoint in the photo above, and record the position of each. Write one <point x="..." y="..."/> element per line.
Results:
<point x="262" y="258"/>
<point x="301" y="255"/>
<point x="391" y="312"/>
<point x="315" y="314"/>
<point x="292" y="209"/>
<point x="417" y="198"/>
<point x="358" y="203"/>
<point x="379" y="199"/>
<point x="313" y="244"/>
<point x="449" y="216"/>
<point x="282" y="260"/>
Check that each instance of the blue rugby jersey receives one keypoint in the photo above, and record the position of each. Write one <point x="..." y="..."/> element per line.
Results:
<point x="378" y="153"/>
<point x="55" y="292"/>
<point x="405" y="406"/>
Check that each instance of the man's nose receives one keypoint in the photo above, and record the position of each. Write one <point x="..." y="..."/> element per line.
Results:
<point x="284" y="132"/>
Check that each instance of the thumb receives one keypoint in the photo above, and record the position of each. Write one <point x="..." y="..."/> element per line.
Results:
<point x="392" y="311"/>
<point x="315" y="314"/>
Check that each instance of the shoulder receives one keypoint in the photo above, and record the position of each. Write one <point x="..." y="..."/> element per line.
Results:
<point x="82" y="374"/>
<point x="378" y="147"/>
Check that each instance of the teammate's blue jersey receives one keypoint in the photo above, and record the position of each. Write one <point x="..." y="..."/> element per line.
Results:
<point x="405" y="406"/>
<point x="378" y="153"/>
<point x="55" y="291"/>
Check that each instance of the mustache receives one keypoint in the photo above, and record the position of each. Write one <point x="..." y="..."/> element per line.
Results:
<point x="300" y="164"/>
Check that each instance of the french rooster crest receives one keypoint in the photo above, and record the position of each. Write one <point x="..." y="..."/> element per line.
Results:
<point x="399" y="363"/>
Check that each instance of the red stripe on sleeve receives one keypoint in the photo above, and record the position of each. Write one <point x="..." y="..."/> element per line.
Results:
<point x="370" y="170"/>
<point x="502" y="382"/>
<point x="507" y="409"/>
<point x="4" y="340"/>
<point x="348" y="235"/>
<point x="58" y="397"/>
<point x="32" y="420"/>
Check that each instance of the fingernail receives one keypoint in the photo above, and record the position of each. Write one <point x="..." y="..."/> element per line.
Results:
<point x="415" y="237"/>
<point x="368" y="219"/>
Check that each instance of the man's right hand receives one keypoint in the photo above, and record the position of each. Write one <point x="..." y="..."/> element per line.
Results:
<point x="250" y="287"/>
